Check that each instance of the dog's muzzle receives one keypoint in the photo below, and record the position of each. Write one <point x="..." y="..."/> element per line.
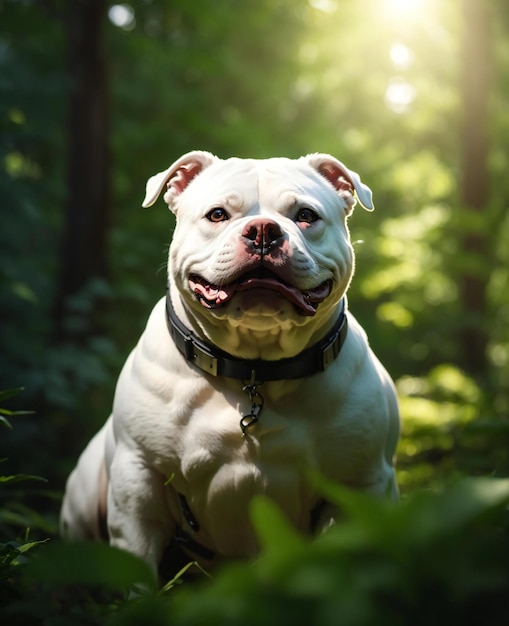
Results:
<point x="266" y="256"/>
<point x="214" y="296"/>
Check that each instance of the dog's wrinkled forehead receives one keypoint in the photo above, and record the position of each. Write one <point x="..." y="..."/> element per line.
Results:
<point x="315" y="174"/>
<point x="223" y="178"/>
<point x="256" y="185"/>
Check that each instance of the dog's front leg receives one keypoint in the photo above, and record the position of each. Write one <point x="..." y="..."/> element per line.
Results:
<point x="139" y="520"/>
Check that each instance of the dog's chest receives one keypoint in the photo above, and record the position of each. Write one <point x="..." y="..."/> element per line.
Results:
<point x="219" y="470"/>
<point x="210" y="436"/>
<point x="192" y="436"/>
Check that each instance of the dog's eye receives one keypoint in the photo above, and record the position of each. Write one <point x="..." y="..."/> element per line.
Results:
<point x="306" y="215"/>
<point x="218" y="214"/>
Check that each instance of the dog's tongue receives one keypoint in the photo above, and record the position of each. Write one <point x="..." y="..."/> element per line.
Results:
<point x="212" y="296"/>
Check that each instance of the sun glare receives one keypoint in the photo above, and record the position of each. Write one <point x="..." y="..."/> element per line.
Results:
<point x="326" y="6"/>
<point x="401" y="27"/>
<point x="399" y="95"/>
<point x="404" y="14"/>
<point x="122" y="15"/>
<point x="401" y="56"/>
<point x="403" y="9"/>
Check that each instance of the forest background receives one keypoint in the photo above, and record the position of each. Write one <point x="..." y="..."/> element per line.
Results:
<point x="95" y="97"/>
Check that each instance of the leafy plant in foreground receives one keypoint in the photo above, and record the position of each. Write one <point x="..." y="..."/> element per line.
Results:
<point x="436" y="557"/>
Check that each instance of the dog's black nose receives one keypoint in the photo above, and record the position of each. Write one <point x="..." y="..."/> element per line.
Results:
<point x="263" y="234"/>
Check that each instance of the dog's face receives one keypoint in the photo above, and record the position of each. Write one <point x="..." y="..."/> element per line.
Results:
<point x="260" y="246"/>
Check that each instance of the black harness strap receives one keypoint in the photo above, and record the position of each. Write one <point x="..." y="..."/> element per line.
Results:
<point x="182" y="547"/>
<point x="186" y="541"/>
<point x="187" y="513"/>
<point x="176" y="556"/>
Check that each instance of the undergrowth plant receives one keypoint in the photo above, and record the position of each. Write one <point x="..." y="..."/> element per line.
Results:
<point x="438" y="556"/>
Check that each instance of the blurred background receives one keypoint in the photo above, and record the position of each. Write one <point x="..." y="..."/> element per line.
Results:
<point x="95" y="97"/>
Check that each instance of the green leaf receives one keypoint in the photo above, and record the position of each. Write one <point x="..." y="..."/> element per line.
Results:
<point x="25" y="547"/>
<point x="177" y="579"/>
<point x="169" y="480"/>
<point x="9" y="393"/>
<point x="456" y="506"/>
<point x="16" y="478"/>
<point x="11" y="413"/>
<point x="274" y="532"/>
<point x="356" y="504"/>
<point x="11" y="552"/>
<point x="83" y="563"/>
<point x="5" y="422"/>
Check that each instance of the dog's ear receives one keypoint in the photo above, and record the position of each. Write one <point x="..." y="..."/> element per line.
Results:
<point x="177" y="177"/>
<point x="344" y="181"/>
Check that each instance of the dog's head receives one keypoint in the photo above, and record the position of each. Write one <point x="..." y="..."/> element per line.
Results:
<point x="261" y="253"/>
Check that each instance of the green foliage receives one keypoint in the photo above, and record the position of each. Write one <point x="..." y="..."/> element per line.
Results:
<point x="448" y="429"/>
<point x="12" y="513"/>
<point x="98" y="565"/>
<point x="4" y="413"/>
<point x="439" y="556"/>
<point x="436" y="556"/>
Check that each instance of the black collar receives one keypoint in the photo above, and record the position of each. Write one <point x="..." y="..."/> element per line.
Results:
<point x="214" y="361"/>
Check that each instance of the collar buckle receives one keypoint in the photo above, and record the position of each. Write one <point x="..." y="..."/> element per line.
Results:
<point x="200" y="357"/>
<point x="331" y="349"/>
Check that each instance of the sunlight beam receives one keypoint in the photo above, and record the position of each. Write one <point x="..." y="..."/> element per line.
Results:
<point x="403" y="10"/>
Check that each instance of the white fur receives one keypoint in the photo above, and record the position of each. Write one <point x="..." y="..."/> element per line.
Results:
<point x="175" y="430"/>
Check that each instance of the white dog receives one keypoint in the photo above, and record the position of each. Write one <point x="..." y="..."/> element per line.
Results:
<point x="249" y="374"/>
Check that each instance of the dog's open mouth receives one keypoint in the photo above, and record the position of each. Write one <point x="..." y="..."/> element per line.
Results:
<point x="213" y="296"/>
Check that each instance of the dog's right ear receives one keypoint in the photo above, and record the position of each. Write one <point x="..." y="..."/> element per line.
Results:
<point x="177" y="177"/>
<point x="343" y="180"/>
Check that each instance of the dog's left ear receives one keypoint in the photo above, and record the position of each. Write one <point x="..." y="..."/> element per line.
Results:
<point x="343" y="180"/>
<point x="177" y="177"/>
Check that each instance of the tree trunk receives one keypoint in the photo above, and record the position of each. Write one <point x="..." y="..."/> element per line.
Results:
<point x="83" y="255"/>
<point x="477" y="64"/>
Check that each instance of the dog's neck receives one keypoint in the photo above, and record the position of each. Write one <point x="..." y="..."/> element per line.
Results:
<point x="255" y="336"/>
<point x="209" y="358"/>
